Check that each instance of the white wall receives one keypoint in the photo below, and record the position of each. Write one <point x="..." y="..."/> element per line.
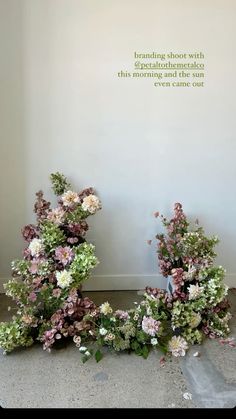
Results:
<point x="63" y="108"/>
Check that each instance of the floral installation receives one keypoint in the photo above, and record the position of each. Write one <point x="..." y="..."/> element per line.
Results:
<point x="47" y="282"/>
<point x="57" y="260"/>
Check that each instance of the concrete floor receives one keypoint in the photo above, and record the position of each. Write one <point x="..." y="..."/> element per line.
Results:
<point x="34" y="378"/>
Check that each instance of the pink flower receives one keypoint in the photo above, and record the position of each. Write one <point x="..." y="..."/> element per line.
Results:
<point x="64" y="254"/>
<point x="56" y="292"/>
<point x="56" y="216"/>
<point x="32" y="297"/>
<point x="123" y="315"/>
<point x="150" y="325"/>
<point x="29" y="232"/>
<point x="34" y="267"/>
<point x="72" y="240"/>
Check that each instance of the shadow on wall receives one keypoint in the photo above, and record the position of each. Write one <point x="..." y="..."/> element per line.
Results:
<point x="13" y="141"/>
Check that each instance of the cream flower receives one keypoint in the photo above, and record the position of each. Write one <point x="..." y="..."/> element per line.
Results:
<point x="35" y="247"/>
<point x="77" y="340"/>
<point x="195" y="291"/>
<point x="195" y="320"/>
<point x="91" y="204"/>
<point x="178" y="346"/>
<point x="64" y="278"/>
<point x="154" y="341"/>
<point x="56" y="216"/>
<point x="70" y="198"/>
<point x="105" y="308"/>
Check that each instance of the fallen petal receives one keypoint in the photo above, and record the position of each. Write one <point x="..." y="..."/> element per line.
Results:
<point x="187" y="396"/>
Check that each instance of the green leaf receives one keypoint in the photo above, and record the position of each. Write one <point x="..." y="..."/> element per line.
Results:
<point x="98" y="355"/>
<point x="145" y="352"/>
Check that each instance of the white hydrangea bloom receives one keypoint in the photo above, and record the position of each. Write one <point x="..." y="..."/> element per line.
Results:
<point x="103" y="331"/>
<point x="91" y="204"/>
<point x="35" y="247"/>
<point x="64" y="278"/>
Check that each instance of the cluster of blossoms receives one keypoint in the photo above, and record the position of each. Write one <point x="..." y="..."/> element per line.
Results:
<point x="199" y="303"/>
<point x="57" y="259"/>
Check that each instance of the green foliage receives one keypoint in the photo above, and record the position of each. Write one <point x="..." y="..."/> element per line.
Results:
<point x="52" y="236"/>
<point x="59" y="183"/>
<point x="14" y="334"/>
<point x="98" y="355"/>
<point x="83" y="262"/>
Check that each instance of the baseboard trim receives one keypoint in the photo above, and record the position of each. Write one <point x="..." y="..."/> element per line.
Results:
<point x="127" y="282"/>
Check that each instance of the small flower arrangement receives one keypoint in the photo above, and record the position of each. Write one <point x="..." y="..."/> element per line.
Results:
<point x="137" y="330"/>
<point x="46" y="283"/>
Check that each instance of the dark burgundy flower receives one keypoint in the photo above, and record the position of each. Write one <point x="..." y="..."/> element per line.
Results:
<point x="29" y="232"/>
<point x="41" y="206"/>
<point x="86" y="192"/>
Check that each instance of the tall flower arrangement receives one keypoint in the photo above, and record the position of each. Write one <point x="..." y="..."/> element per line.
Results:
<point x="56" y="261"/>
<point x="198" y="302"/>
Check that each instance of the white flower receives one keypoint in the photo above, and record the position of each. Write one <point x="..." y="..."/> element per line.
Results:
<point x="105" y="308"/>
<point x="64" y="278"/>
<point x="91" y="204"/>
<point x="87" y="353"/>
<point x="70" y="198"/>
<point x="83" y="349"/>
<point x="77" y="340"/>
<point x="177" y="346"/>
<point x="56" y="216"/>
<point x="154" y="341"/>
<point x="35" y="247"/>
<point x="103" y="331"/>
<point x="195" y="320"/>
<point x="149" y="311"/>
<point x="195" y="291"/>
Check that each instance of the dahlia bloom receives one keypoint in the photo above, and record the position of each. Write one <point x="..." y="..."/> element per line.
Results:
<point x="70" y="198"/>
<point x="64" y="254"/>
<point x="178" y="346"/>
<point x="91" y="204"/>
<point x="64" y="278"/>
<point x="195" y="291"/>
<point x="56" y="216"/>
<point x="150" y="325"/>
